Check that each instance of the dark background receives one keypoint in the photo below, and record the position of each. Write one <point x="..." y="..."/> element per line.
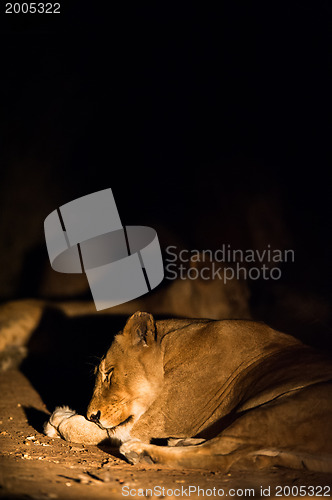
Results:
<point x="209" y="121"/>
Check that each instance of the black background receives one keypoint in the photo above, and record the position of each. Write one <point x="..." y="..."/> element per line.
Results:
<point x="190" y="112"/>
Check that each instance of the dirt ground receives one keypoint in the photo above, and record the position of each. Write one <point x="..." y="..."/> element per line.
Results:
<point x="35" y="466"/>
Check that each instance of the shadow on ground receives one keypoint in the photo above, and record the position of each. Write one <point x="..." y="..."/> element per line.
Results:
<point x="63" y="353"/>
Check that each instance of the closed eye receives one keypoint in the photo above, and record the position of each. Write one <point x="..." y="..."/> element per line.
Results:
<point x="108" y="376"/>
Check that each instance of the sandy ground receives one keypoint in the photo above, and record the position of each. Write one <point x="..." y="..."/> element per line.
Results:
<point x="35" y="466"/>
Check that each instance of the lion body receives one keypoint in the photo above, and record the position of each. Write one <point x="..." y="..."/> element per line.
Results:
<point x="249" y="395"/>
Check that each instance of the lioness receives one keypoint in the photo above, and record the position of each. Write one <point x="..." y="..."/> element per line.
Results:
<point x="230" y="393"/>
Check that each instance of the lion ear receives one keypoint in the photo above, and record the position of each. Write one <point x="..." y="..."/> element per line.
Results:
<point x="141" y="328"/>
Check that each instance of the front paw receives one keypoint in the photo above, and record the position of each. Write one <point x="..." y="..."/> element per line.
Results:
<point x="135" y="451"/>
<point x="60" y="414"/>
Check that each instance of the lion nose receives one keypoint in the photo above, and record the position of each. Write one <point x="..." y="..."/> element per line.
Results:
<point x="95" y="417"/>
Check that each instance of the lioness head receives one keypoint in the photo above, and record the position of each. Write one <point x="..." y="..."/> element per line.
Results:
<point x="128" y="378"/>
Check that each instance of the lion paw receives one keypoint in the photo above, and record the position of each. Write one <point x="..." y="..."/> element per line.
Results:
<point x="60" y="413"/>
<point x="135" y="451"/>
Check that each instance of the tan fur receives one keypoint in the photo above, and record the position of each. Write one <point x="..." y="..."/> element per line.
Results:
<point x="254" y="396"/>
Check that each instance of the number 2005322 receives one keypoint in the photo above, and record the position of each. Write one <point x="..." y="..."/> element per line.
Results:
<point x="32" y="8"/>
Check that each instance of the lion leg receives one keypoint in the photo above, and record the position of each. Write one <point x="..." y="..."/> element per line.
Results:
<point x="267" y="458"/>
<point x="224" y="454"/>
<point x="217" y="454"/>
<point x="65" y="423"/>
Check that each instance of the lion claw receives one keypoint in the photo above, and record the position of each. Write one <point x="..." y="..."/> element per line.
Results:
<point x="132" y="457"/>
<point x="134" y="451"/>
